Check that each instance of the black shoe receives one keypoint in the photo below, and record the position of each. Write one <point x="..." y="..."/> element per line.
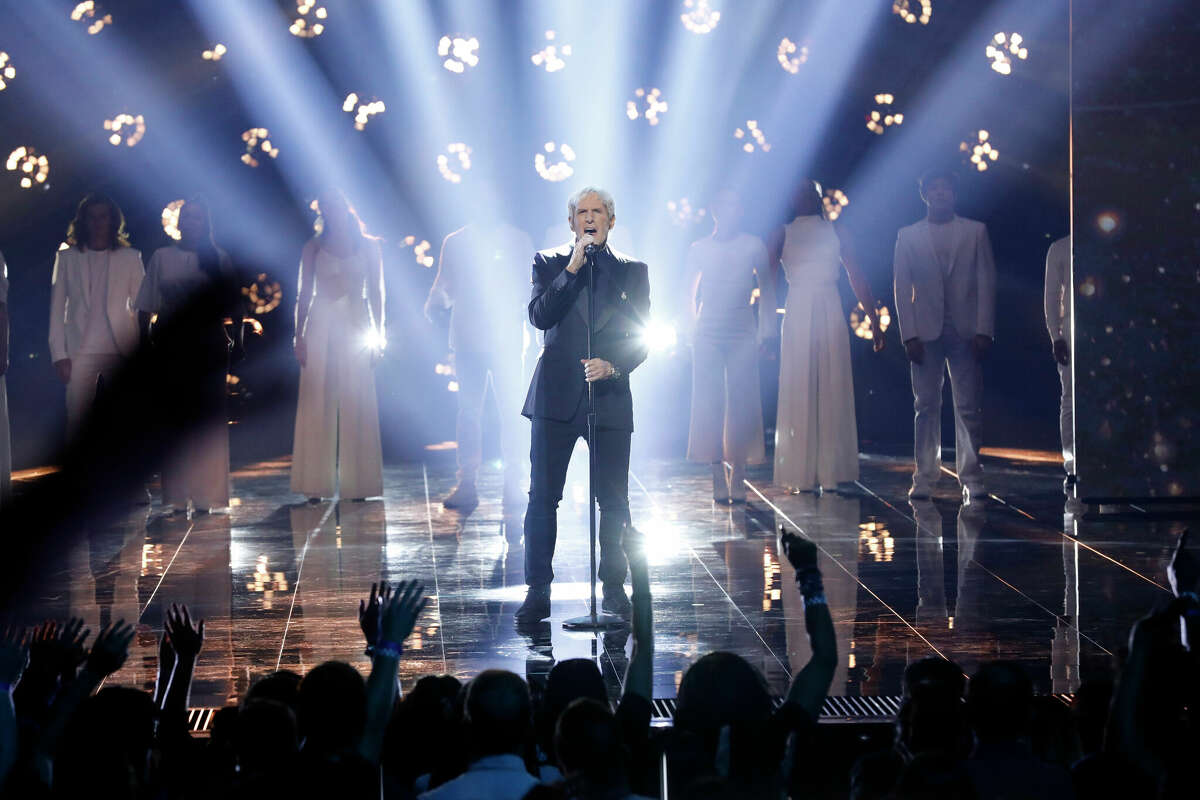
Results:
<point x="463" y="496"/>
<point x="615" y="600"/>
<point x="536" y="606"/>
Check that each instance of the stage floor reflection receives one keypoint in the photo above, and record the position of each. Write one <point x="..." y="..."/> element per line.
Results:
<point x="279" y="580"/>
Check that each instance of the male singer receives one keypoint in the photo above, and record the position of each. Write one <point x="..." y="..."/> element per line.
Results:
<point x="557" y="402"/>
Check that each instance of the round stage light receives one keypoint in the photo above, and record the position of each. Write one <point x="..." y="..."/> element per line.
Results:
<point x="1107" y="222"/>
<point x="660" y="336"/>
<point x="256" y="140"/>
<point x="459" y="151"/>
<point x="653" y="102"/>
<point x="218" y="50"/>
<point x="978" y="151"/>
<point x="263" y="295"/>
<point x="170" y="219"/>
<point x="88" y="13"/>
<point x="682" y="213"/>
<point x="791" y="55"/>
<point x="420" y="249"/>
<point x="752" y="132"/>
<point x="550" y="56"/>
<point x="860" y="323"/>
<point x="7" y="70"/>
<point x="125" y="128"/>
<point x="1003" y="49"/>
<point x="33" y="167"/>
<point x="558" y="170"/>
<point x="458" y="53"/>
<point x="362" y="111"/>
<point x="882" y="117"/>
<point x="834" y="200"/>
<point x="310" y="21"/>
<point x="697" y="17"/>
<point x="913" y="10"/>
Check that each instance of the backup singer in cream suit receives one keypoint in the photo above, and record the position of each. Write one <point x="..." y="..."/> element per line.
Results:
<point x="1058" y="325"/>
<point x="945" y="283"/>
<point x="93" y="325"/>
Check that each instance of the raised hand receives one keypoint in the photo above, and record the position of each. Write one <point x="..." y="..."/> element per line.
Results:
<point x="368" y="611"/>
<point x="58" y="649"/>
<point x="110" y="649"/>
<point x="186" y="638"/>
<point x="401" y="612"/>
<point x="633" y="542"/>
<point x="14" y="655"/>
<point x="801" y="553"/>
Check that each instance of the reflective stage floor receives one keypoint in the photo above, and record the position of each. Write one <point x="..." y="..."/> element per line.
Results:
<point x="278" y="580"/>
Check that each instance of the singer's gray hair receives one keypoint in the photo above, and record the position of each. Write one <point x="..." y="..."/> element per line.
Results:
<point x="605" y="197"/>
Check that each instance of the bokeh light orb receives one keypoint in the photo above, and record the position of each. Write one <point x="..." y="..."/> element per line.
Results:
<point x="912" y="11"/>
<point x="170" y="219"/>
<point x="860" y="323"/>
<point x="1108" y="222"/>
<point x="551" y="56"/>
<point x="458" y="53"/>
<point x="310" y="20"/>
<point x="263" y="295"/>
<point x="420" y="248"/>
<point x="460" y="153"/>
<point x="882" y="116"/>
<point x="216" y="53"/>
<point x="1003" y="48"/>
<point x="752" y="138"/>
<point x="660" y="336"/>
<point x="653" y="105"/>
<point x="257" y="142"/>
<point x="698" y="17"/>
<point x="125" y="129"/>
<point x="833" y="201"/>
<point x="32" y="167"/>
<point x="979" y="151"/>
<point x="362" y="111"/>
<point x="87" y="13"/>
<point x="557" y="170"/>
<point x="683" y="214"/>
<point x="791" y="55"/>
<point x="7" y="70"/>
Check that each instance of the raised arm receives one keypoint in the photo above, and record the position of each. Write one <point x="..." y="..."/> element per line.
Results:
<point x="858" y="282"/>
<point x="305" y="290"/>
<point x="640" y="673"/>
<point x="14" y="655"/>
<point x="396" y="623"/>
<point x="811" y="683"/>
<point x="553" y="294"/>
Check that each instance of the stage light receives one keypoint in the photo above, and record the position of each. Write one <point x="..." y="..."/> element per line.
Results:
<point x="979" y="151"/>
<point x="458" y="53"/>
<point x="1108" y="222"/>
<point x="697" y="17"/>
<point x="170" y="219"/>
<point x="682" y="213"/>
<point x="875" y="538"/>
<point x="420" y="249"/>
<point x="7" y="70"/>
<point x="125" y="128"/>
<point x="881" y="117"/>
<point x="443" y="369"/>
<point x="306" y="26"/>
<point x="756" y="134"/>
<point x="263" y="295"/>
<point x="452" y="386"/>
<point x="550" y="55"/>
<point x="363" y="111"/>
<point x="87" y="12"/>
<point x="654" y="105"/>
<point x="374" y="340"/>
<point x="791" y="55"/>
<point x="1003" y="48"/>
<point x="215" y="53"/>
<point x="834" y="200"/>
<point x="860" y="323"/>
<point x="256" y="140"/>
<point x="660" y="336"/>
<point x="558" y="170"/>
<point x="459" y="151"/>
<point x="907" y="10"/>
<point x="33" y="167"/>
<point x="64" y="246"/>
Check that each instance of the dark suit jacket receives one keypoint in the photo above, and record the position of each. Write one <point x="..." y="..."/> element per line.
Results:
<point x="559" y="307"/>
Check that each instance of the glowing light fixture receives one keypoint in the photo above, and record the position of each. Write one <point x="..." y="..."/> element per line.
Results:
<point x="875" y="538"/>
<point x="420" y="248"/>
<point x="979" y="151"/>
<point x="860" y="323"/>
<point x="683" y="214"/>
<point x="791" y="55"/>
<point x="310" y="21"/>
<point x="218" y="50"/>
<point x="834" y="200"/>
<point x="458" y="53"/>
<point x="125" y="128"/>
<point x="558" y="170"/>
<point x="88" y="13"/>
<point x="654" y="105"/>
<point x="660" y="336"/>
<point x="256" y="140"/>
<point x="913" y="10"/>
<point x="550" y="56"/>
<point x="170" y="219"/>
<point x="1003" y="48"/>
<point x="264" y="295"/>
<point x="881" y="117"/>
<point x="1107" y="222"/>
<point x="374" y="340"/>
<point x="7" y="70"/>
<point x="32" y="166"/>
<point x="752" y="132"/>
<point x="697" y="17"/>
<point x="362" y="111"/>
<point x="462" y="153"/>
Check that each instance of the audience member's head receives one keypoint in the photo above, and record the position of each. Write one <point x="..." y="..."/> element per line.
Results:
<point x="333" y="707"/>
<point x="722" y="689"/>
<point x="932" y="721"/>
<point x="424" y="733"/>
<point x="268" y="739"/>
<point x="934" y="673"/>
<point x="934" y="777"/>
<point x="106" y="749"/>
<point x="568" y="681"/>
<point x="587" y="741"/>
<point x="282" y="686"/>
<point x="497" y="713"/>
<point x="1000" y="702"/>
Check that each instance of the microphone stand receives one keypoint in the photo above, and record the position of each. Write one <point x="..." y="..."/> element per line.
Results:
<point x="594" y="620"/>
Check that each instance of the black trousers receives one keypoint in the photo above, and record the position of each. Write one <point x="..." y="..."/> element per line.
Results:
<point x="549" y="454"/>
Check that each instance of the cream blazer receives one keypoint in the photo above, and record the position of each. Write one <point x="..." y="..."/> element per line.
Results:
<point x="70" y="307"/>
<point x="924" y="292"/>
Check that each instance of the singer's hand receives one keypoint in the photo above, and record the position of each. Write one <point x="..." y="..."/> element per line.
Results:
<point x="596" y="369"/>
<point x="578" y="255"/>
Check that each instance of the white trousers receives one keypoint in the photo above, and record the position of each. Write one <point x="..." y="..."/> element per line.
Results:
<point x="966" y="384"/>
<point x="86" y="372"/>
<point x="1066" y="417"/>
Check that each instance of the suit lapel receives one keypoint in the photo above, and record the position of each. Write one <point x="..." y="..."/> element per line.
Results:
<point x="957" y="246"/>
<point x="616" y="284"/>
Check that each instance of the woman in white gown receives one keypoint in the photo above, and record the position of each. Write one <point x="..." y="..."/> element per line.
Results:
<point x="339" y="336"/>
<point x="5" y="452"/>
<point x="726" y="423"/>
<point x="816" y="435"/>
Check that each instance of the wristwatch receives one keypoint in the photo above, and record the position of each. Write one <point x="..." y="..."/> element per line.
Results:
<point x="616" y="373"/>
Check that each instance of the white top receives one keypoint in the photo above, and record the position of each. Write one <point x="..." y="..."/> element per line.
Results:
<point x="729" y="271"/>
<point x="944" y="239"/>
<point x="1058" y="289"/>
<point x="172" y="277"/>
<point x="493" y="777"/>
<point x="811" y="251"/>
<point x="98" y="336"/>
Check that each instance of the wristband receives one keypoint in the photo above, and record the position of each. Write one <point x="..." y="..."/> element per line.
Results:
<point x="388" y="649"/>
<point x="1192" y="596"/>
<point x="817" y="599"/>
<point x="369" y="651"/>
<point x="809" y="582"/>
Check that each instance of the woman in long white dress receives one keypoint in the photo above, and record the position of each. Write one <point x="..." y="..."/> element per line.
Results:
<point x="816" y="435"/>
<point x="726" y="424"/>
<point x="5" y="452"/>
<point x="339" y="337"/>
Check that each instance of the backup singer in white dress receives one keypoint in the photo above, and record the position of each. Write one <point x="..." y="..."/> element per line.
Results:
<point x="339" y="336"/>
<point x="727" y="421"/>
<point x="816" y="434"/>
<point x="1058" y="325"/>
<point x="5" y="452"/>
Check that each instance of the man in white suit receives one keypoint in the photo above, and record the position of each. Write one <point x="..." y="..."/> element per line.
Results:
<point x="93" y="325"/>
<point x="945" y="282"/>
<point x="1058" y="325"/>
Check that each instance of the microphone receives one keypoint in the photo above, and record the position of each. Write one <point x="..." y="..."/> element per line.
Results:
<point x="589" y="250"/>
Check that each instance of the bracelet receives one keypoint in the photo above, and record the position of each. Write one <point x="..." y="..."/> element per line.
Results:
<point x="1195" y="598"/>
<point x="817" y="599"/>
<point x="809" y="582"/>
<point x="388" y="649"/>
<point x="616" y="372"/>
